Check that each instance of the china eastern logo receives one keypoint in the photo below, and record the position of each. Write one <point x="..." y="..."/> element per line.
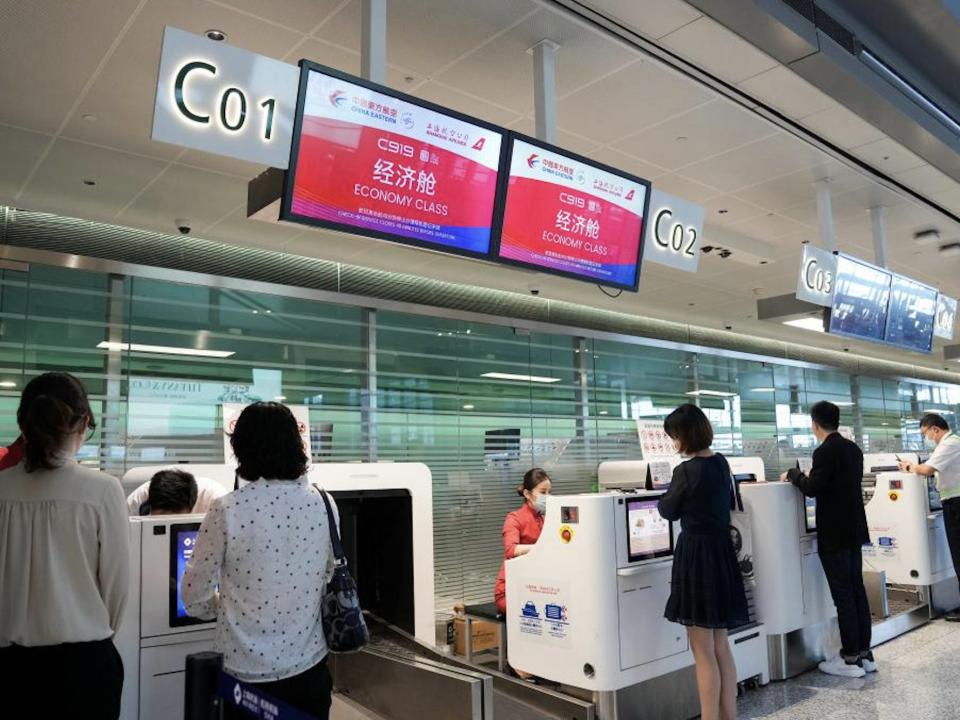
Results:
<point x="532" y="161"/>
<point x="338" y="98"/>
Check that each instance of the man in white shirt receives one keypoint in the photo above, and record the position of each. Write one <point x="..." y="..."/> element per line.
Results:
<point x="175" y="492"/>
<point x="944" y="466"/>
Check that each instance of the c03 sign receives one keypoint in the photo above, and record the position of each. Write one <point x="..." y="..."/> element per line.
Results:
<point x="817" y="277"/>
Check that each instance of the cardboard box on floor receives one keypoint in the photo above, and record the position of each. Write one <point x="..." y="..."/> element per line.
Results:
<point x="486" y="635"/>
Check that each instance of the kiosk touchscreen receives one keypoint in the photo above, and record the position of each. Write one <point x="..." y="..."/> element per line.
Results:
<point x="649" y="536"/>
<point x="183" y="539"/>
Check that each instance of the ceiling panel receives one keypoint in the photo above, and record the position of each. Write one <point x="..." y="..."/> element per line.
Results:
<point x="236" y="227"/>
<point x="652" y="18"/>
<point x="583" y="57"/>
<point x="786" y="190"/>
<point x="729" y="210"/>
<point x="768" y="227"/>
<point x="424" y="38"/>
<point x="48" y="51"/>
<point x="926" y="179"/>
<point x="627" y="163"/>
<point x="19" y="152"/>
<point x="685" y="188"/>
<point x="842" y="127"/>
<point x="468" y="104"/>
<point x="765" y="159"/>
<point x="297" y="15"/>
<point x="710" y="45"/>
<point x="565" y="139"/>
<point x="607" y="112"/>
<point x="708" y="130"/>
<point x="784" y="90"/>
<point x="58" y="182"/>
<point x="200" y="196"/>
<point x="888" y="156"/>
<point x="122" y="97"/>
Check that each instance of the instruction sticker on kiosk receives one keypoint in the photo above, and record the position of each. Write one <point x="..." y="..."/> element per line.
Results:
<point x="544" y="615"/>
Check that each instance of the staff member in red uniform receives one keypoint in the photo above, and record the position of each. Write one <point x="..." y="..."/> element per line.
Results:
<point x="12" y="454"/>
<point x="521" y="529"/>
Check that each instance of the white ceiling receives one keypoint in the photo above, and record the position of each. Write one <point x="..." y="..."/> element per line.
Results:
<point x="78" y="82"/>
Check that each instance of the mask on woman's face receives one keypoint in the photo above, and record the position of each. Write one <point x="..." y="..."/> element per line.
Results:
<point x="540" y="503"/>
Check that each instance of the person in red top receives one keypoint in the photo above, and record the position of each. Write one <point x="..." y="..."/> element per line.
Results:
<point x="522" y="527"/>
<point x="12" y="454"/>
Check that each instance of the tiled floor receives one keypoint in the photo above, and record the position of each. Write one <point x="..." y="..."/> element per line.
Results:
<point x="919" y="679"/>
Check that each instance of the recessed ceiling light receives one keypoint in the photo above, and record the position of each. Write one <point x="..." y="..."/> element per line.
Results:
<point x="807" y="323"/>
<point x="520" y="378"/>
<point x="7" y="384"/>
<point x="216" y="35"/>
<point x="162" y="349"/>
<point x="468" y="407"/>
<point x="711" y="393"/>
<point x="604" y="412"/>
<point x="88" y="182"/>
<point x="89" y="118"/>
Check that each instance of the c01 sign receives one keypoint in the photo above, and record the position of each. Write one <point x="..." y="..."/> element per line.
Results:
<point x="224" y="100"/>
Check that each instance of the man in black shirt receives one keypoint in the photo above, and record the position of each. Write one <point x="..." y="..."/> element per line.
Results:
<point x="835" y="481"/>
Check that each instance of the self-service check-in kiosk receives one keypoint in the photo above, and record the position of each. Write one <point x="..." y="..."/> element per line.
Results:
<point x="585" y="608"/>
<point x="386" y="524"/>
<point x="792" y="596"/>
<point x="908" y="558"/>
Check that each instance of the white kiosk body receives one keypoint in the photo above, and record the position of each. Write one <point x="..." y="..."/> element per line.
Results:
<point x="792" y="596"/>
<point x="585" y="605"/>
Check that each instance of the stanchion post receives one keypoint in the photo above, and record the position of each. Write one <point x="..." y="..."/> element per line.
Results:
<point x="200" y="700"/>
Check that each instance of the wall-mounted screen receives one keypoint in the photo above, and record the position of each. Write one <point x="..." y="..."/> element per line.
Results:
<point x="372" y="161"/>
<point x="648" y="534"/>
<point x="566" y="215"/>
<point x="912" y="315"/>
<point x="183" y="539"/>
<point x="860" y="300"/>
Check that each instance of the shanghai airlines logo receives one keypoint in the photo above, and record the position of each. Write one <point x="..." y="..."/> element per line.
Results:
<point x="532" y="161"/>
<point x="338" y="98"/>
<point x="629" y="195"/>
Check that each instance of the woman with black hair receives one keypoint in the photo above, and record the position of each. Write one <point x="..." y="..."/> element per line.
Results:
<point x="64" y="563"/>
<point x="262" y="562"/>
<point x="706" y="590"/>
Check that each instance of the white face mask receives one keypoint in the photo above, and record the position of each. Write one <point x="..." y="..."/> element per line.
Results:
<point x="540" y="503"/>
<point x="929" y="443"/>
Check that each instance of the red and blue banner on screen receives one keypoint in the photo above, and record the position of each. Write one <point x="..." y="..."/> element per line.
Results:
<point x="373" y="162"/>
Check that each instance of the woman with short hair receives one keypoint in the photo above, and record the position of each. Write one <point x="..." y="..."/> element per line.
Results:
<point x="262" y="562"/>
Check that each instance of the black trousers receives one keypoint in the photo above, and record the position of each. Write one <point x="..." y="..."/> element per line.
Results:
<point x="844" y="570"/>
<point x="309" y="691"/>
<point x="951" y="523"/>
<point x="68" y="680"/>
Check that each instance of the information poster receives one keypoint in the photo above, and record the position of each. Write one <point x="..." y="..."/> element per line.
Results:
<point x="654" y="441"/>
<point x="368" y="162"/>
<point x="543" y="613"/>
<point x="565" y="216"/>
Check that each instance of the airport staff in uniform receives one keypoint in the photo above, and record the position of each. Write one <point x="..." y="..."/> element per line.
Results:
<point x="835" y="481"/>
<point x="944" y="465"/>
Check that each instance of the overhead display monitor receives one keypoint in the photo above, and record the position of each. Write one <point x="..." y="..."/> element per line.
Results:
<point x="183" y="539"/>
<point x="566" y="215"/>
<point x="860" y="300"/>
<point x="648" y="534"/>
<point x="912" y="315"/>
<point x="372" y="161"/>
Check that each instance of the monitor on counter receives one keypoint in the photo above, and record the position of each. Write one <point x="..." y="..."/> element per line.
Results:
<point x="860" y="300"/>
<point x="648" y="534"/>
<point x="567" y="215"/>
<point x="912" y="315"/>
<point x="369" y="160"/>
<point x="183" y="539"/>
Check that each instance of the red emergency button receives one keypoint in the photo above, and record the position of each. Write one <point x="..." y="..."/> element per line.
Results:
<point x="566" y="534"/>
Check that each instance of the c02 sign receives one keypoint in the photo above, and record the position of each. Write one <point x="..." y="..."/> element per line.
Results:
<point x="231" y="110"/>
<point x="678" y="238"/>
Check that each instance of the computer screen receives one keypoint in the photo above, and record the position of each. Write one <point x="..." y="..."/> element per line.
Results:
<point x="860" y="300"/>
<point x="810" y="513"/>
<point x="912" y="315"/>
<point x="648" y="534"/>
<point x="183" y="539"/>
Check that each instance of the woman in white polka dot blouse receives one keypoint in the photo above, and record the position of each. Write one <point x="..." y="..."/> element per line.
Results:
<point x="262" y="561"/>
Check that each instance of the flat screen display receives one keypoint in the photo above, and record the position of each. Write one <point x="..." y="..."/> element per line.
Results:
<point x="183" y="539"/>
<point x="371" y="161"/>
<point x="648" y="534"/>
<point x="860" y="300"/>
<point x="912" y="315"/>
<point x="810" y="513"/>
<point x="569" y="216"/>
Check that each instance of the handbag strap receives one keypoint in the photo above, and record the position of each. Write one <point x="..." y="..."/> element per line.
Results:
<point x="334" y="534"/>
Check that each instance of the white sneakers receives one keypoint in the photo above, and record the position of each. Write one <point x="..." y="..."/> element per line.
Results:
<point x="840" y="667"/>
<point x="869" y="664"/>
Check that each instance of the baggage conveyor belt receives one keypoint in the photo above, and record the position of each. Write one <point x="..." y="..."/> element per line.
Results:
<point x="400" y="678"/>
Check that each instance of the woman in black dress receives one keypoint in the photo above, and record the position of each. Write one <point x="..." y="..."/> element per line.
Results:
<point x="706" y="593"/>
